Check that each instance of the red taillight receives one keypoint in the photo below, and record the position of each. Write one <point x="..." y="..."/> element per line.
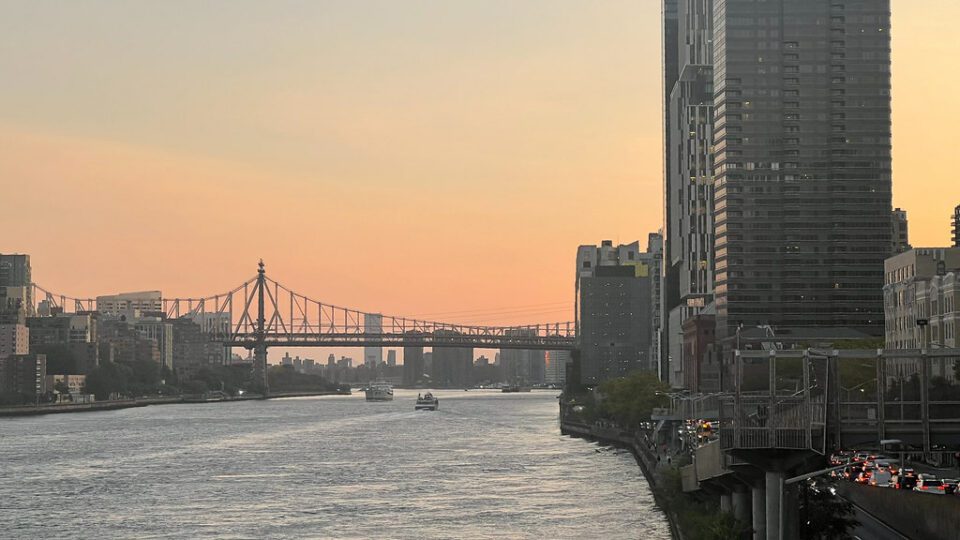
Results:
<point x="941" y="488"/>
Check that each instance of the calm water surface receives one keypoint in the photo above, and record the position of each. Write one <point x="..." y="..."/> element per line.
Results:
<point x="486" y="465"/>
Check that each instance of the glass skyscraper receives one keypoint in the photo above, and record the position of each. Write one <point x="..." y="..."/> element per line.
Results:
<point x="802" y="173"/>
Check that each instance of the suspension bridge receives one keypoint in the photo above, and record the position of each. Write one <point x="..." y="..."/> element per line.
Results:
<point x="261" y="313"/>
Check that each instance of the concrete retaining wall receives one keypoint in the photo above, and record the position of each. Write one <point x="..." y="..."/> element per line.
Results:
<point x="913" y="514"/>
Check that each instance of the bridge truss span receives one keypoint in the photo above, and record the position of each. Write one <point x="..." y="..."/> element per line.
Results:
<point x="262" y="312"/>
<point x="294" y="319"/>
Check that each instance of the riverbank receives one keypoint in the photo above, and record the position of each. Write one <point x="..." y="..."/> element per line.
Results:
<point x="652" y="468"/>
<point x="110" y="405"/>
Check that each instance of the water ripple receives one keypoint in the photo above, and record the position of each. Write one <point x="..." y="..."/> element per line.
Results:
<point x="485" y="466"/>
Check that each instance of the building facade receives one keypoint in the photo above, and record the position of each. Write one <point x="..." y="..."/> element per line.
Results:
<point x="899" y="232"/>
<point x="160" y="330"/>
<point x="701" y="370"/>
<point x="192" y="348"/>
<point x="14" y="340"/>
<point x="23" y="377"/>
<point x="956" y="226"/>
<point x="129" y="303"/>
<point x="556" y="367"/>
<point x="613" y="311"/>
<point x="921" y="298"/>
<point x="802" y="172"/>
<point x="654" y="255"/>
<point x="688" y="177"/>
<point x="15" y="272"/>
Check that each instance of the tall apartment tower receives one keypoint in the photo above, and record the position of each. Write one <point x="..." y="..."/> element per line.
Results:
<point x="899" y="232"/>
<point x="802" y="163"/>
<point x="654" y="255"/>
<point x="956" y="226"/>
<point x="668" y="280"/>
<point x="688" y="178"/>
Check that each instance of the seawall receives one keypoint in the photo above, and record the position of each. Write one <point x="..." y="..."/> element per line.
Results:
<point x="30" y="410"/>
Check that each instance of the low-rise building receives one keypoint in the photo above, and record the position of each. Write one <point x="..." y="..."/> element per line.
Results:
<point x="920" y="298"/>
<point x="14" y="340"/>
<point x="23" y="375"/>
<point x="159" y="330"/>
<point x="701" y="371"/>
<point x="192" y="349"/>
<point x="73" y="383"/>
<point x="118" y="304"/>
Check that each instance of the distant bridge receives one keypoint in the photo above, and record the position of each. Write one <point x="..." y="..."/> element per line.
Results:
<point x="262" y="313"/>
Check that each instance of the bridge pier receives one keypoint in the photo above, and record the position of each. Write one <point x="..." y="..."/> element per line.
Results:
<point x="260" y="367"/>
<point x="726" y="503"/>
<point x="741" y="504"/>
<point x="774" y="504"/>
<point x="759" y="500"/>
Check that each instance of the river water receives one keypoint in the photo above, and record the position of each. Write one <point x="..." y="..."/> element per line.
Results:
<point x="486" y="465"/>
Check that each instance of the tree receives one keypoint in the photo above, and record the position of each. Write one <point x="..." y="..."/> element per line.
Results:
<point x="824" y="515"/>
<point x="631" y="400"/>
<point x="61" y="359"/>
<point x="109" y="378"/>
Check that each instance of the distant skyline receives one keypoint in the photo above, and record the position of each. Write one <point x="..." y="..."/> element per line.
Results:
<point x="409" y="157"/>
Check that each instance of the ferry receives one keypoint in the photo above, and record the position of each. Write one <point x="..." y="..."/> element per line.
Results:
<point x="427" y="402"/>
<point x="379" y="391"/>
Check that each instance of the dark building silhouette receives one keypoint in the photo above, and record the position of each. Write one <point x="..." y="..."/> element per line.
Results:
<point x="451" y="366"/>
<point x="613" y="311"/>
<point x="802" y="169"/>
<point x="412" y="365"/>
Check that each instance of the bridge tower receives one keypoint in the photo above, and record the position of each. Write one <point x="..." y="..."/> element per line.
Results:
<point x="260" y="346"/>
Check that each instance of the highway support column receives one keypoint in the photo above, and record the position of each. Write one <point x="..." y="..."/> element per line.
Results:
<point x="741" y="504"/>
<point x="759" y="501"/>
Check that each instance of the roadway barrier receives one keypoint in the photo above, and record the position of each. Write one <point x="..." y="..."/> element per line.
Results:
<point x="913" y="514"/>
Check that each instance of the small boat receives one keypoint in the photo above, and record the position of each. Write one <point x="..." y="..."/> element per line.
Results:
<point x="379" y="391"/>
<point x="515" y="388"/>
<point x="427" y="402"/>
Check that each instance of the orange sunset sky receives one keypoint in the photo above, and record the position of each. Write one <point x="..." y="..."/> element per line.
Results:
<point x="415" y="157"/>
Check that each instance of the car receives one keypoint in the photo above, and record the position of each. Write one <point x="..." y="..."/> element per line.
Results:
<point x="852" y="472"/>
<point x="840" y="458"/>
<point x="885" y="465"/>
<point x="906" y="479"/>
<point x="881" y="479"/>
<point x="929" y="484"/>
<point x="860" y="457"/>
<point x="949" y="485"/>
<point x="865" y="474"/>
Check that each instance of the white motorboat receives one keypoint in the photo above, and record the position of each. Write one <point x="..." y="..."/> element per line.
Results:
<point x="379" y="391"/>
<point x="427" y="402"/>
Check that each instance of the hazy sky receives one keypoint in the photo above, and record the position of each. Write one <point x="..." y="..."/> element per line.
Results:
<point x="410" y="157"/>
